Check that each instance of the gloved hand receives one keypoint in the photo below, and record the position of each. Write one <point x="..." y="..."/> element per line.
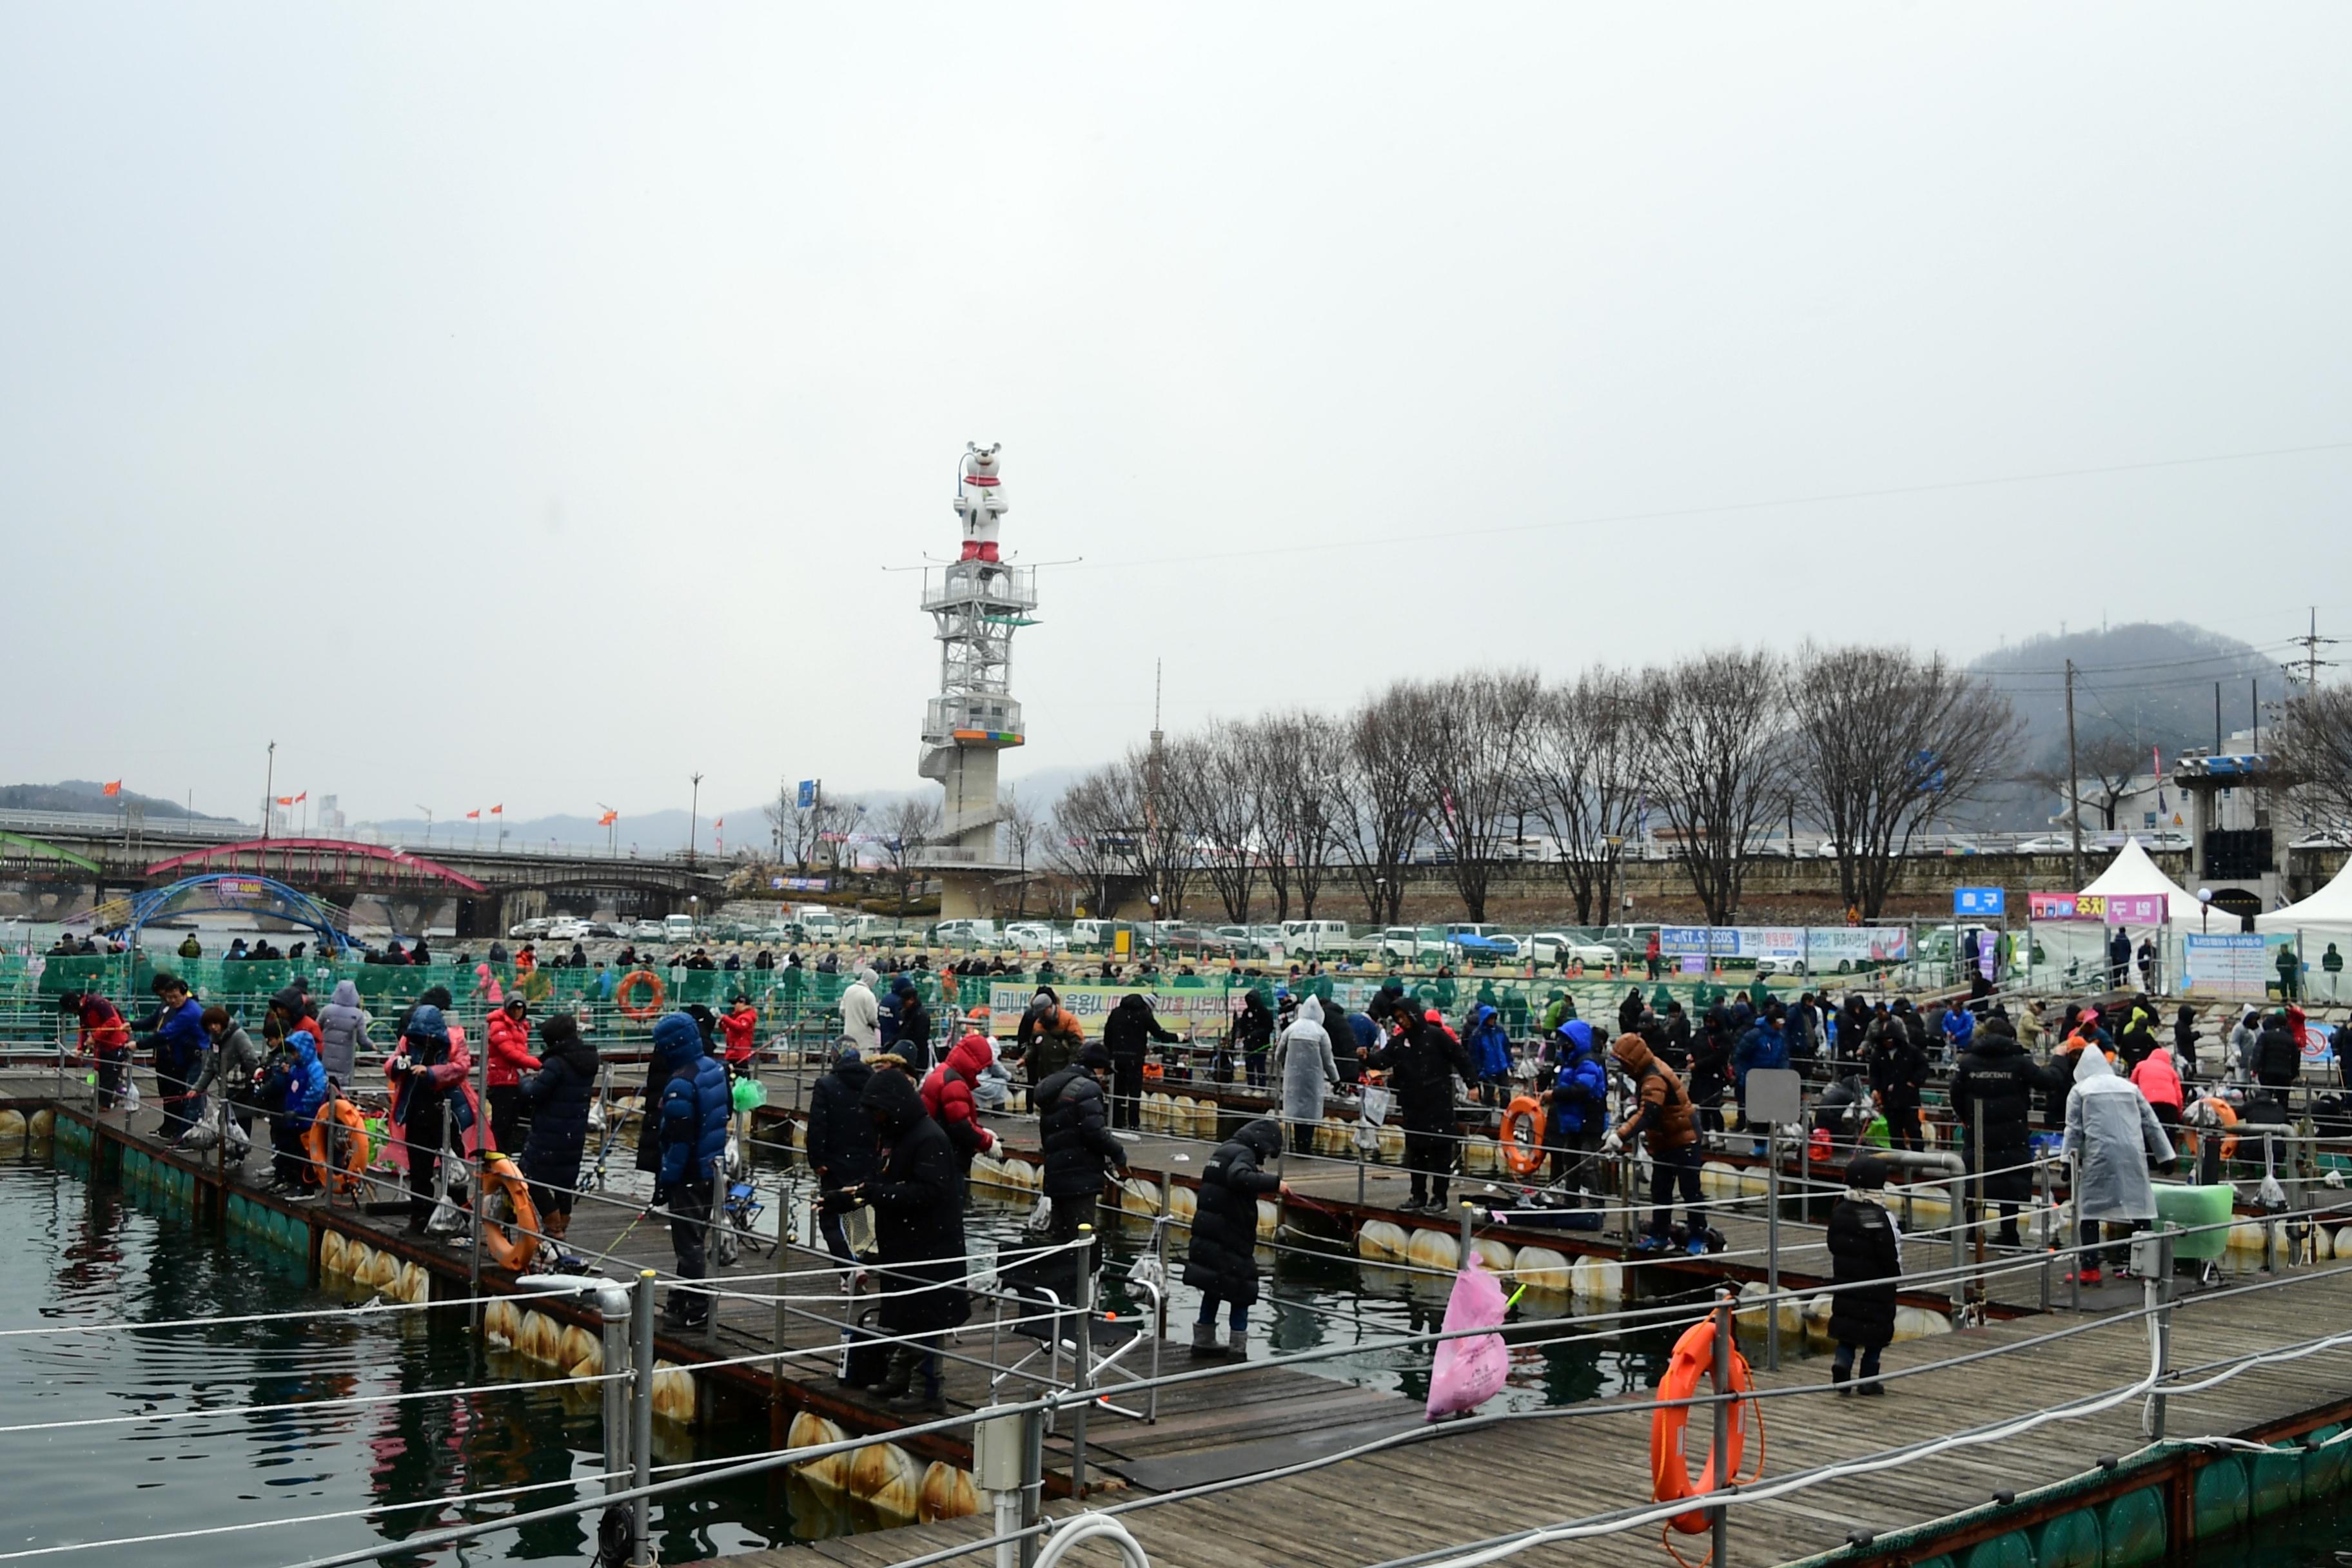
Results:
<point x="661" y="1194"/>
<point x="1610" y="1144"/>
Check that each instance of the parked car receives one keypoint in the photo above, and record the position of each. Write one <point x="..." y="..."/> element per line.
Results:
<point x="1198" y="941"/>
<point x="783" y="932"/>
<point x="1035" y="936"/>
<point x="1103" y="935"/>
<point x="1554" y="947"/>
<point x="677" y="928"/>
<point x="567" y="928"/>
<point x="1412" y="945"/>
<point x="961" y="933"/>
<point x="646" y="930"/>
<point x="605" y="930"/>
<point x="529" y="929"/>
<point x="1313" y="937"/>
<point x="2050" y="843"/>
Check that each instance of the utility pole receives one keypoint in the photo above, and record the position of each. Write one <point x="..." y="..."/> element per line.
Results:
<point x="2073" y="780"/>
<point x="429" y="827"/>
<point x="2312" y="642"/>
<point x="269" y="789"/>
<point x="694" y="821"/>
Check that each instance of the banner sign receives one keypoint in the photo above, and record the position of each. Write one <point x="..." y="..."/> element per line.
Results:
<point x="2138" y="908"/>
<point x="2233" y="965"/>
<point x="1980" y="901"/>
<point x="1814" y="945"/>
<point x="2069" y="907"/>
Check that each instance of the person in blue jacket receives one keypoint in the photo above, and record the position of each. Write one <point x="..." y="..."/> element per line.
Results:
<point x="295" y="1081"/>
<point x="1763" y="1044"/>
<point x="180" y="1045"/>
<point x="695" y="1105"/>
<point x="1959" y="1029"/>
<point x="1576" y="1108"/>
<point x="1490" y="1044"/>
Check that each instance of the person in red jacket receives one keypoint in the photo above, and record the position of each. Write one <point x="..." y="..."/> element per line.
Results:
<point x="105" y="1036"/>
<point x="511" y="1058"/>
<point x="947" y="1098"/>
<point x="741" y="1025"/>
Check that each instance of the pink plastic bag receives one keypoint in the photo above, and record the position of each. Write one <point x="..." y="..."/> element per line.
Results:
<point x="1469" y="1371"/>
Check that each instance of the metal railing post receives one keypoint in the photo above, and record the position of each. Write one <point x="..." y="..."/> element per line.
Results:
<point x="1959" y="1189"/>
<point x="2156" y="1294"/>
<point x="1082" y="1362"/>
<point x="641" y="1420"/>
<point x="1032" y="1482"/>
<point x="1719" y="1517"/>
<point x="613" y="1303"/>
<point x="2044" y="1215"/>
<point x="1773" y="1251"/>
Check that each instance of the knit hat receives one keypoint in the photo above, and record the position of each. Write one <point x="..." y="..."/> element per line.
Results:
<point x="1093" y="1055"/>
<point x="559" y="1029"/>
<point x="1866" y="1174"/>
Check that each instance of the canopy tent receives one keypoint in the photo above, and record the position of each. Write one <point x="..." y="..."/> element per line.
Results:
<point x="2133" y="871"/>
<point x="2328" y="912"/>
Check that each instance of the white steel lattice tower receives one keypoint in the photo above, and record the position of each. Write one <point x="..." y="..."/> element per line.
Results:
<point x="976" y="604"/>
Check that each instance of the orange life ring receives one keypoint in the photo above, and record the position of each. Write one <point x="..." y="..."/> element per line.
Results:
<point x="516" y="1243"/>
<point x="2227" y="1115"/>
<point x="1524" y="1151"/>
<point x="629" y="985"/>
<point x="337" y="1118"/>
<point x="1670" y="1480"/>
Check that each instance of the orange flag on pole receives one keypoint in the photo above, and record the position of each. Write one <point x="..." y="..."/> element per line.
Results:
<point x="497" y="809"/>
<point x="112" y="787"/>
<point x="609" y="818"/>
<point x="474" y="815"/>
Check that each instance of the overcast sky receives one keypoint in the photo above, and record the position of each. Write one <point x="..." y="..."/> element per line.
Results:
<point x="521" y="403"/>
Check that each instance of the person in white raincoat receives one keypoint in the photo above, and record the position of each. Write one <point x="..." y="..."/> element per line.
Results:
<point x="1304" y="1060"/>
<point x="861" y="1014"/>
<point x="2113" y="1137"/>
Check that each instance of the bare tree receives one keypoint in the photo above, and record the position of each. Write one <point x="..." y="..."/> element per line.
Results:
<point x="1217" y="794"/>
<point x="1020" y="825"/>
<point x="1159" y="793"/>
<point x="1092" y="842"/>
<point x="1583" y="768"/>
<point x="1298" y="758"/>
<point x="1473" y="764"/>
<point x="2106" y="767"/>
<point x="906" y="827"/>
<point x="1714" y="764"/>
<point x="800" y="829"/>
<point x="1882" y="741"/>
<point x="2312" y="747"/>
<point x="1382" y="797"/>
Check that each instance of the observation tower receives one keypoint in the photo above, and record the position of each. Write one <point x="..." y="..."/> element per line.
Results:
<point x="976" y="604"/>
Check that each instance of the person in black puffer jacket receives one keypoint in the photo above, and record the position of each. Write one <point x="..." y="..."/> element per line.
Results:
<point x="1222" y="1263"/>
<point x="1079" y="1150"/>
<point x="842" y="1149"/>
<point x="1710" y="1068"/>
<point x="1992" y="1095"/>
<point x="2278" y="1058"/>
<point x="1127" y="1034"/>
<point x="1867" y="1253"/>
<point x="1423" y="1058"/>
<point x="560" y="1093"/>
<point x="917" y="1203"/>
<point x="1897" y="1070"/>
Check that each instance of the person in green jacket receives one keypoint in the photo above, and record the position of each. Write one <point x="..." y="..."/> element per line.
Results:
<point x="2290" y="974"/>
<point x="1561" y="1009"/>
<point x="191" y="947"/>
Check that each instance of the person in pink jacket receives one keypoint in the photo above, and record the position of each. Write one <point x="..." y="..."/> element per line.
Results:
<point x="511" y="1058"/>
<point x="2158" y="1081"/>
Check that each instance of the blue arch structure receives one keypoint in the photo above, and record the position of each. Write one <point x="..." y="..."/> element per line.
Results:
<point x="242" y="893"/>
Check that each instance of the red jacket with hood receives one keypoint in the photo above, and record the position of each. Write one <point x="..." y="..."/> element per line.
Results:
<point x="510" y="1055"/>
<point x="742" y="1027"/>
<point x="947" y="1096"/>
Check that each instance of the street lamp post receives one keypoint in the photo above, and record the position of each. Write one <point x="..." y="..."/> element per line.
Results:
<point x="694" y="821"/>
<point x="2204" y="909"/>
<point x="428" y="825"/>
<point x="269" y="789"/>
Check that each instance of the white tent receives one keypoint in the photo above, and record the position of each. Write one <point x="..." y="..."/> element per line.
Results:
<point x="2327" y="913"/>
<point x="2132" y="871"/>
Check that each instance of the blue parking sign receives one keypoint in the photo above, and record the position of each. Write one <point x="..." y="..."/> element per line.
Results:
<point x="1978" y="902"/>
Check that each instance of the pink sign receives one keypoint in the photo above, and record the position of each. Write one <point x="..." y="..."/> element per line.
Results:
<point x="2138" y="908"/>
<point x="2050" y="906"/>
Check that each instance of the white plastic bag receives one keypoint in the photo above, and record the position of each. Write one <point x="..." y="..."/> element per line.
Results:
<point x="1371" y="1112"/>
<point x="129" y="1099"/>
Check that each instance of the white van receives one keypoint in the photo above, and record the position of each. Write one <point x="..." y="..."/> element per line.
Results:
<point x="963" y="933"/>
<point x="677" y="928"/>
<point x="1317" y="936"/>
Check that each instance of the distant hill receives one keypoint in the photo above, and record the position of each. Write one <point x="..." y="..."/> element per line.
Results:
<point x="83" y="794"/>
<point x="2148" y="685"/>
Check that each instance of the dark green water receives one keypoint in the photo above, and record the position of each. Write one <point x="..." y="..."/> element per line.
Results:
<point x="2307" y="1537"/>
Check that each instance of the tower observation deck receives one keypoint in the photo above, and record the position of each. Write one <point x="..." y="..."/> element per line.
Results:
<point x="976" y="603"/>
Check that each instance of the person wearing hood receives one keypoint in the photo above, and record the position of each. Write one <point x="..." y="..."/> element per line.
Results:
<point x="1127" y="1034"/>
<point x="740" y="1024"/>
<point x="1080" y="1150"/>
<point x="2184" y="1041"/>
<point x="1898" y="1069"/>
<point x="295" y="1083"/>
<point x="343" y="1025"/>
<point x="1423" y="1058"/>
<point x="695" y="1106"/>
<point x="1629" y="1011"/>
<point x="427" y="1070"/>
<point x="1576" y="1108"/>
<point x="1049" y="1035"/>
<point x="2113" y="1138"/>
<point x="1663" y="1118"/>
<point x="861" y="1014"/>
<point x="913" y="1038"/>
<point x="1959" y="1029"/>
<point x="2278" y="1053"/>
<point x="560" y="1093"/>
<point x="1710" y="1067"/>
<point x="1222" y="1262"/>
<point x="1303" y="1059"/>
<point x="1764" y="1044"/>
<point x="1490" y="1044"/>
<point x="948" y="1100"/>
<point x="511" y="1058"/>
<point x="841" y="1150"/>
<point x="1853" y="1029"/>
<point x="2158" y="1081"/>
<point x="1254" y="1034"/>
<point x="917" y="1196"/>
<point x="1866" y="1259"/>
<point x="2030" y="1028"/>
<point x="180" y="1045"/>
<point x="229" y="1066"/>
<point x="1992" y="1096"/>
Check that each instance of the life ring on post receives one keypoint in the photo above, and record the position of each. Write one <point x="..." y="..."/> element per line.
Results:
<point x="1523" y="1150"/>
<point x="514" y="1244"/>
<point x="2223" y="1114"/>
<point x="629" y="985"/>
<point x="339" y="1120"/>
<point x="1670" y="1478"/>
